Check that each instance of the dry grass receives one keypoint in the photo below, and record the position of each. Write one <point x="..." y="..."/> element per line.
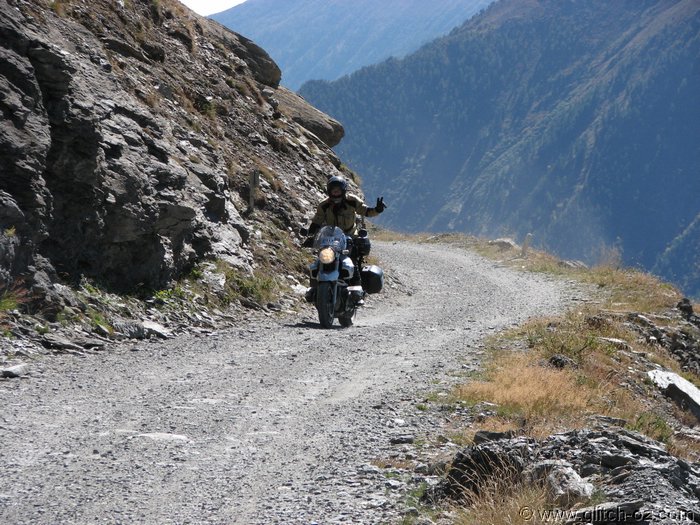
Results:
<point x="11" y="298"/>
<point x="540" y="399"/>
<point x="269" y="175"/>
<point x="684" y="447"/>
<point x="523" y="388"/>
<point x="59" y="7"/>
<point x="606" y="378"/>
<point x="632" y="290"/>
<point x="505" y="500"/>
<point x="507" y="508"/>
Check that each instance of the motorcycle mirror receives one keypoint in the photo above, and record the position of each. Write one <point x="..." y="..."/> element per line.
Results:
<point x="362" y="233"/>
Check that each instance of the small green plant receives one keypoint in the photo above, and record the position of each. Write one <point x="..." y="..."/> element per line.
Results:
<point x="90" y="289"/>
<point x="99" y="320"/>
<point x="65" y="317"/>
<point x="652" y="425"/>
<point x="8" y="302"/>
<point x="11" y="297"/>
<point x="196" y="273"/>
<point x="171" y="293"/>
<point x="413" y="500"/>
<point x="259" y="287"/>
<point x="11" y="232"/>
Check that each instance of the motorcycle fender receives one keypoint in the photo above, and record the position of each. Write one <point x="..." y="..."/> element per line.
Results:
<point x="328" y="276"/>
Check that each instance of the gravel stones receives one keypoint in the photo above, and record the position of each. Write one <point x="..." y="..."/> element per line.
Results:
<point x="284" y="422"/>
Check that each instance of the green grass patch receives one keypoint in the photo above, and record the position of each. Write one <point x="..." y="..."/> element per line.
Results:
<point x="12" y="297"/>
<point x="652" y="425"/>
<point x="98" y="319"/>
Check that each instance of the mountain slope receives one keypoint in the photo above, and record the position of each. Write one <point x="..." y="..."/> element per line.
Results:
<point x="577" y="121"/>
<point x="129" y="135"/>
<point x="325" y="39"/>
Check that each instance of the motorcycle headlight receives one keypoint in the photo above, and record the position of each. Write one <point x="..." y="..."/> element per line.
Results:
<point x="326" y="256"/>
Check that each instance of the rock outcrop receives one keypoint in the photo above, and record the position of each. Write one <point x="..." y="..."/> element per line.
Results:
<point x="296" y="108"/>
<point x="636" y="476"/>
<point x="684" y="393"/>
<point x="129" y="133"/>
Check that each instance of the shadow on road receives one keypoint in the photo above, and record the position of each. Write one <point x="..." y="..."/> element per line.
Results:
<point x="312" y="324"/>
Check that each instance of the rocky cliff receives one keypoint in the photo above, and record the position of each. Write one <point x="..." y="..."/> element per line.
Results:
<point x="130" y="130"/>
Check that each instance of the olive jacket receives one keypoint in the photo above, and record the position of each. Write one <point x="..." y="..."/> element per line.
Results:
<point x="343" y="214"/>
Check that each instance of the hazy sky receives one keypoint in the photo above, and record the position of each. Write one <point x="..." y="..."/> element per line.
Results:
<point x="209" y="7"/>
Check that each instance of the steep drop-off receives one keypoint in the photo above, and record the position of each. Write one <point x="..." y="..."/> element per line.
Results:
<point x="576" y="121"/>
<point x="325" y="39"/>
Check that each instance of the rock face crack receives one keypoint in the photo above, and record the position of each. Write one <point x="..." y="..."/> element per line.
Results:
<point x="71" y="171"/>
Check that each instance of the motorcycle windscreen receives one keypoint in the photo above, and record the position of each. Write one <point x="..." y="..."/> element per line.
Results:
<point x="330" y="236"/>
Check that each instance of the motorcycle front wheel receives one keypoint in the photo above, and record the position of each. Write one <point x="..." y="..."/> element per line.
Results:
<point x="324" y="304"/>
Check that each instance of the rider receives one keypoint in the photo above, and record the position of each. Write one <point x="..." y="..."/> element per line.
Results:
<point x="340" y="209"/>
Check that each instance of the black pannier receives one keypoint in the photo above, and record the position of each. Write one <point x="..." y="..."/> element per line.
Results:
<point x="372" y="279"/>
<point x="363" y="246"/>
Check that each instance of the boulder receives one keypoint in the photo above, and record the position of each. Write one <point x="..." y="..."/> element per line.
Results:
<point x="566" y="486"/>
<point x="329" y="130"/>
<point x="263" y="68"/>
<point x="686" y="309"/>
<point x="561" y="361"/>
<point x="157" y="330"/>
<point x="633" y="472"/>
<point x="504" y="244"/>
<point x="14" y="371"/>
<point x="680" y="390"/>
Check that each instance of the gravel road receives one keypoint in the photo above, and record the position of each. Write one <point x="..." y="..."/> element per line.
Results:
<point x="275" y="421"/>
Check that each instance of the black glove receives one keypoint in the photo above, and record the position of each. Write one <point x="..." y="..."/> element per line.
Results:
<point x="379" y="208"/>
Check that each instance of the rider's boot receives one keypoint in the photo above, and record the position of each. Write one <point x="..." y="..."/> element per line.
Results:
<point x="310" y="295"/>
<point x="357" y="297"/>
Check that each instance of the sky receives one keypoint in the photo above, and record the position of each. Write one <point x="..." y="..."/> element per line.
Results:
<point x="209" y="7"/>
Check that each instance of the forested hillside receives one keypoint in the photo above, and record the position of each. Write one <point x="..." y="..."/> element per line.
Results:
<point x="325" y="39"/>
<point x="577" y="121"/>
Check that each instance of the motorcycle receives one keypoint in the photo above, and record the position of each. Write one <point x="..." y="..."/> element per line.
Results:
<point x="334" y="269"/>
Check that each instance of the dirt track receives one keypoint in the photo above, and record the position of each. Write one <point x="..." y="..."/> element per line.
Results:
<point x="274" y="421"/>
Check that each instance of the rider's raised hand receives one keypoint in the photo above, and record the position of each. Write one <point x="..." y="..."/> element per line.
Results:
<point x="380" y="205"/>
